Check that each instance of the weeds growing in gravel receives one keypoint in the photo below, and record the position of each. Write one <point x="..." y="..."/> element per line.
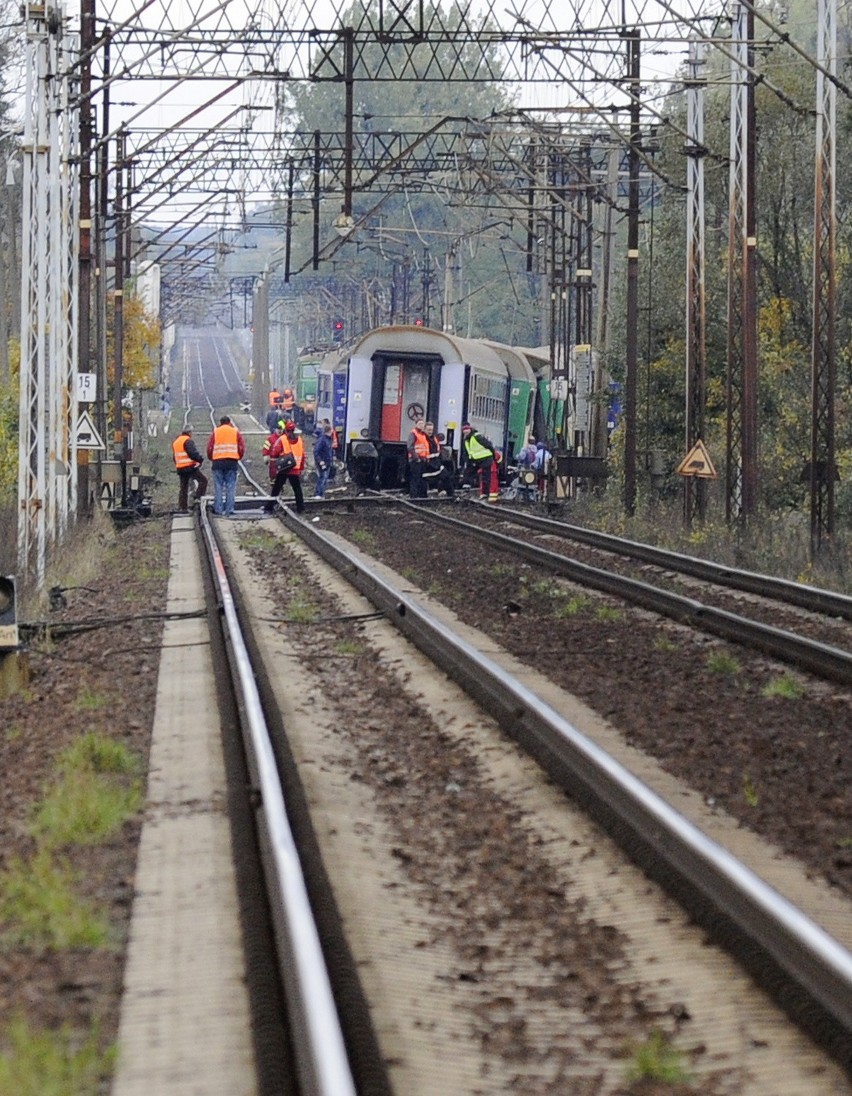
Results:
<point x="90" y="701"/>
<point x="300" y="611"/>
<point x="363" y="537"/>
<point x="259" y="538"/>
<point x="99" y="754"/>
<point x="90" y="799"/>
<point x="657" y="1060"/>
<point x="83" y="808"/>
<point x="51" y="1063"/>
<point x="38" y="907"/>
<point x="785" y="687"/>
<point x="572" y="607"/>
<point x="749" y="790"/>
<point x="720" y="662"/>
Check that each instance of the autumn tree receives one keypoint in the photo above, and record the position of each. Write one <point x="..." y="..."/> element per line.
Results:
<point x="140" y="344"/>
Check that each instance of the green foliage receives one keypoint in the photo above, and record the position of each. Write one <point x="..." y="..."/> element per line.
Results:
<point x="99" y="754"/>
<point x="363" y="537"/>
<point x="721" y="662"/>
<point x="657" y="1060"/>
<point x="51" y="1063"/>
<point x="93" y="796"/>
<point x="416" y="231"/>
<point x="572" y="607"/>
<point x="785" y="687"/>
<point x="300" y="610"/>
<point x="84" y="808"/>
<point x="38" y="908"/>
<point x="88" y="701"/>
<point x="749" y="791"/>
<point x="9" y="427"/>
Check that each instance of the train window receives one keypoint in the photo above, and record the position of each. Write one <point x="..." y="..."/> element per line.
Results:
<point x="488" y="401"/>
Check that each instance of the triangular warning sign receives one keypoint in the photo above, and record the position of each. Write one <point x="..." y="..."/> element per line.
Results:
<point x="697" y="463"/>
<point x="86" y="436"/>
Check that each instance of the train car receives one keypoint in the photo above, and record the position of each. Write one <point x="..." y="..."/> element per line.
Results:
<point x="308" y="363"/>
<point x="395" y="375"/>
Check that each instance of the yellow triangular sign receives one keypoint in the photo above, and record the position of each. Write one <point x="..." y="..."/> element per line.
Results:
<point x="697" y="463"/>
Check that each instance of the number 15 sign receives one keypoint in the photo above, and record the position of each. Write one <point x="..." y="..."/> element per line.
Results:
<point x="86" y="387"/>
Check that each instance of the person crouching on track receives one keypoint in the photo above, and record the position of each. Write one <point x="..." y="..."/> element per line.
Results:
<point x="226" y="449"/>
<point x="188" y="463"/>
<point x="418" y="455"/>
<point x="289" y="454"/>
<point x="483" y="455"/>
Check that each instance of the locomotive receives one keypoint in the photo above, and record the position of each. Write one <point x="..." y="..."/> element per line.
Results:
<point x="374" y="391"/>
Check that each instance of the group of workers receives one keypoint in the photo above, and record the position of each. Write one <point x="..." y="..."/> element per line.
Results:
<point x="284" y="454"/>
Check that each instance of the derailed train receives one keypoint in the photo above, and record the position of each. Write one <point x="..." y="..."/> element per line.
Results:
<point x="375" y="391"/>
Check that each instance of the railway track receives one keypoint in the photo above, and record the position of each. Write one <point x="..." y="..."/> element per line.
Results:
<point x="457" y="869"/>
<point x="650" y="578"/>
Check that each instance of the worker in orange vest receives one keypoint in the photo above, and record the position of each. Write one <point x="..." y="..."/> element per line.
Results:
<point x="225" y="448"/>
<point x="289" y="453"/>
<point x="188" y="463"/>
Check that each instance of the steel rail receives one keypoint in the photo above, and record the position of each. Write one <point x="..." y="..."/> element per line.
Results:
<point x="794" y="593"/>
<point x="318" y="1043"/>
<point x="821" y="659"/>
<point x="807" y="972"/>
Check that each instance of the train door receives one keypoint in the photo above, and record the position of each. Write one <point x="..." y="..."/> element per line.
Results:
<point x="405" y="396"/>
<point x="392" y="403"/>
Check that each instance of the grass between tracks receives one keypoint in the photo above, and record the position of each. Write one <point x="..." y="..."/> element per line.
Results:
<point x="64" y="880"/>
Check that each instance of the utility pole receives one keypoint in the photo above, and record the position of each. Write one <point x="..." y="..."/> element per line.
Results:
<point x="694" y="488"/>
<point x="741" y="493"/>
<point x="118" y="314"/>
<point x="631" y="364"/>
<point x="822" y="471"/>
<point x="87" y="41"/>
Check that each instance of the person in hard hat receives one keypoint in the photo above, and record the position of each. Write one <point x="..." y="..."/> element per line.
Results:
<point x="225" y="448"/>
<point x="188" y="463"/>
<point x="289" y="454"/>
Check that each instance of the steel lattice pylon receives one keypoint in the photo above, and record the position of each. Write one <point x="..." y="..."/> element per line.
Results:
<point x="48" y="398"/>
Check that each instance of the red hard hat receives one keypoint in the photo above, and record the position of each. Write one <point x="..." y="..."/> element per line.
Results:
<point x="289" y="425"/>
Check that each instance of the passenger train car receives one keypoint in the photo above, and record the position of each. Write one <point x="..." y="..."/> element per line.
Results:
<point x="375" y="391"/>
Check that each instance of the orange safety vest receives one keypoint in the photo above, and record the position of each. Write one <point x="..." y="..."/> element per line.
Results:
<point x="284" y="446"/>
<point x="274" y="398"/>
<point x="225" y="442"/>
<point x="421" y="445"/>
<point x="288" y="401"/>
<point x="180" y="454"/>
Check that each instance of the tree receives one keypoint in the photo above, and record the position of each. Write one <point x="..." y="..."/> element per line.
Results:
<point x="140" y="344"/>
<point x="436" y="246"/>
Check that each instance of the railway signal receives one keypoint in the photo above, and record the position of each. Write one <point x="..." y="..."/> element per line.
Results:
<point x="337" y="331"/>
